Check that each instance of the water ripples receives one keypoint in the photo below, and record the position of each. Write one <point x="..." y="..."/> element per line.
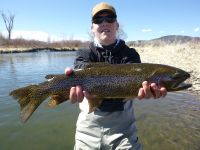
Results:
<point x="171" y="123"/>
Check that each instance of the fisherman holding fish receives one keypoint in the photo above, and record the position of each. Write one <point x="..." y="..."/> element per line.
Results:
<point x="112" y="124"/>
<point x="106" y="76"/>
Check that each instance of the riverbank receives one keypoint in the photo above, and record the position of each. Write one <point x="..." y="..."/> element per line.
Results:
<point x="28" y="49"/>
<point x="22" y="45"/>
<point x="180" y="55"/>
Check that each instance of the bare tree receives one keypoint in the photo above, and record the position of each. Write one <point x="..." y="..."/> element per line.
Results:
<point x="8" y="20"/>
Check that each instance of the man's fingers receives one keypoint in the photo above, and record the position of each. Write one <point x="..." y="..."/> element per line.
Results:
<point x="147" y="90"/>
<point x="155" y="90"/>
<point x="163" y="91"/>
<point x="72" y="95"/>
<point x="76" y="93"/>
<point x="141" y="93"/>
<point x="79" y="94"/>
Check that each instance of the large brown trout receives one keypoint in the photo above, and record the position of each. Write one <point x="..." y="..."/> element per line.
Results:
<point x="101" y="80"/>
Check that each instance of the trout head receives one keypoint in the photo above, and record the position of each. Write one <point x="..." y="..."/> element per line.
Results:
<point x="171" y="78"/>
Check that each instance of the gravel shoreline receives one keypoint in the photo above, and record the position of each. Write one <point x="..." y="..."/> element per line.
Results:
<point x="181" y="56"/>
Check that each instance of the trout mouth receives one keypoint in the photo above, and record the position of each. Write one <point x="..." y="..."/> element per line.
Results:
<point x="180" y="83"/>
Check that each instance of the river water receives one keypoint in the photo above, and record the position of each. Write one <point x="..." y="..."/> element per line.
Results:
<point x="170" y="123"/>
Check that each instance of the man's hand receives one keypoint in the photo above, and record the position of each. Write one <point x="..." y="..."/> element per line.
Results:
<point x="148" y="91"/>
<point x="76" y="92"/>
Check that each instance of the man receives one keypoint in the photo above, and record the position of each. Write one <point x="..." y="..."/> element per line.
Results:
<point x="112" y="125"/>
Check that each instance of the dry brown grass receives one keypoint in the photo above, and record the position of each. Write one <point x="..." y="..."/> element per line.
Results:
<point x="28" y="45"/>
<point x="183" y="56"/>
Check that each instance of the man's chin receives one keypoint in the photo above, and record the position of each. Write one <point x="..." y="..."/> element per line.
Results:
<point x="106" y="38"/>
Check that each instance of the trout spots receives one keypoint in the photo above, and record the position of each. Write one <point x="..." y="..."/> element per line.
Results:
<point x="138" y="69"/>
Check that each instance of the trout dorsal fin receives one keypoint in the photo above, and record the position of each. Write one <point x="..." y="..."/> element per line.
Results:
<point x="50" y="76"/>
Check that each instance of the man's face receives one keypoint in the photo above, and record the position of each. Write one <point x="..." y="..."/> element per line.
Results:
<point x="105" y="32"/>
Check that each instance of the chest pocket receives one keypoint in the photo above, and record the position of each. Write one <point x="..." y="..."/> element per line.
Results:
<point x="107" y="56"/>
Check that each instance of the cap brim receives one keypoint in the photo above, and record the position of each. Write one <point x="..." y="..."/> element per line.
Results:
<point x="104" y="11"/>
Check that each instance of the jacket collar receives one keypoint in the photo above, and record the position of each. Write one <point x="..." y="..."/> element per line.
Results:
<point x="97" y="43"/>
<point x="96" y="46"/>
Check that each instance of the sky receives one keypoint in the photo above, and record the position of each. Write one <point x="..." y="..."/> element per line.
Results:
<point x="71" y="19"/>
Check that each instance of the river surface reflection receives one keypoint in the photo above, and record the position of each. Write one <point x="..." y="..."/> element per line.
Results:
<point x="171" y="123"/>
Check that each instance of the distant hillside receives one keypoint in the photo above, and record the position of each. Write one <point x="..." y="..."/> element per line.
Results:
<point x="166" y="40"/>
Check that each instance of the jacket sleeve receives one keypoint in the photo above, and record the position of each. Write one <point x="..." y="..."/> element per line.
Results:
<point x="82" y="58"/>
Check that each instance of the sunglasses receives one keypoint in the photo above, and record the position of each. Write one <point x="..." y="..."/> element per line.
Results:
<point x="108" y="19"/>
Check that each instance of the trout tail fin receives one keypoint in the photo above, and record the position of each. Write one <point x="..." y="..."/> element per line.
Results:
<point x="29" y="98"/>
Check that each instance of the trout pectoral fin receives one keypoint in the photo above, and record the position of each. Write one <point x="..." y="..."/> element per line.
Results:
<point x="57" y="99"/>
<point x="94" y="103"/>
